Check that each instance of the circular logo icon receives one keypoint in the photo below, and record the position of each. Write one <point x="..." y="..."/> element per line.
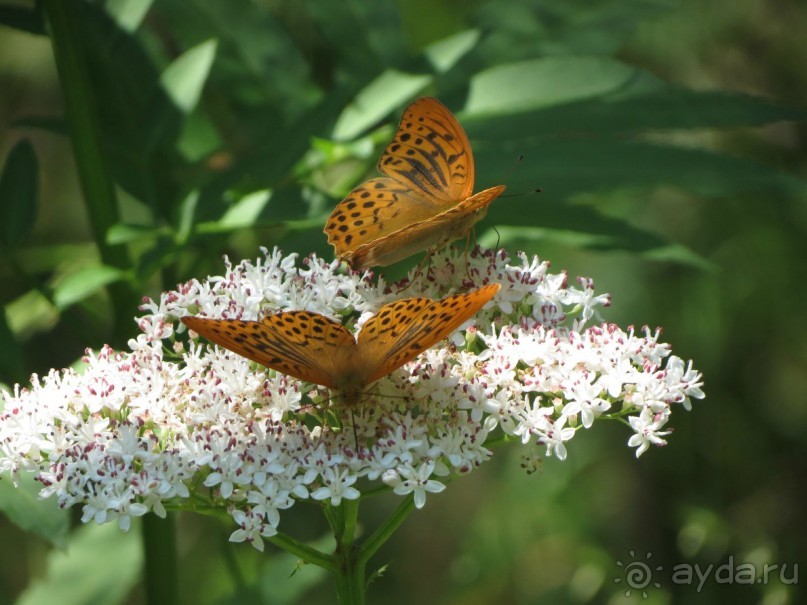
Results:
<point x="637" y="574"/>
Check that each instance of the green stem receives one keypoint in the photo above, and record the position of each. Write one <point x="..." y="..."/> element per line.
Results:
<point x="63" y="18"/>
<point x="349" y="572"/>
<point x="305" y="552"/>
<point x="383" y="533"/>
<point x="160" y="574"/>
<point x="349" y="577"/>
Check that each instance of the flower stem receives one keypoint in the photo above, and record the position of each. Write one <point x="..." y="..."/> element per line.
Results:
<point x="305" y="552"/>
<point x="72" y="54"/>
<point x="383" y="533"/>
<point x="350" y="566"/>
<point x="160" y="574"/>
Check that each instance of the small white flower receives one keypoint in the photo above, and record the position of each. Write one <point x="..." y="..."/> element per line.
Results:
<point x="647" y="426"/>
<point x="338" y="485"/>
<point x="409" y="480"/>
<point x="251" y="528"/>
<point x="173" y="419"/>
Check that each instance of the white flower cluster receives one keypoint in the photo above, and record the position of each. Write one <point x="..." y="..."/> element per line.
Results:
<point x="193" y="425"/>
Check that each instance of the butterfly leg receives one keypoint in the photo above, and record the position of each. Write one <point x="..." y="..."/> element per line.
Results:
<point x="418" y="270"/>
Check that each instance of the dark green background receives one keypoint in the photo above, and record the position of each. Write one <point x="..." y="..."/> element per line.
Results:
<point x="668" y="140"/>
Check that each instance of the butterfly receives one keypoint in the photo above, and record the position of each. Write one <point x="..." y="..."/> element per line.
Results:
<point x="315" y="348"/>
<point x="424" y="202"/>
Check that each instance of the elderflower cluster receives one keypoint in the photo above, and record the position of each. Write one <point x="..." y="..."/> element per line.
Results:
<point x="174" y="420"/>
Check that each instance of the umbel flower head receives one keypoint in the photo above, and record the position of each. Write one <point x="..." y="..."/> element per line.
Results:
<point x="176" y="418"/>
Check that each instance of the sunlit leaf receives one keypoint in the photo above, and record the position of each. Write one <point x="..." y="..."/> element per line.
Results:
<point x="185" y="78"/>
<point x="101" y="567"/>
<point x="445" y="53"/>
<point x="390" y="90"/>
<point x="84" y="282"/>
<point x="129" y="14"/>
<point x="551" y="81"/>
<point x="43" y="517"/>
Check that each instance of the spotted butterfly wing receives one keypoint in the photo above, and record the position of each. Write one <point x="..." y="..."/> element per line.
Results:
<point x="403" y="329"/>
<point x="308" y="346"/>
<point x="425" y="200"/>
<point x="314" y="348"/>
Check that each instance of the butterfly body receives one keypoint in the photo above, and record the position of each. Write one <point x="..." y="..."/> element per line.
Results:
<point x="424" y="202"/>
<point x="315" y="348"/>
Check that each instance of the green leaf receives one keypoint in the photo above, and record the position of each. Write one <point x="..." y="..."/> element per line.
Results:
<point x="551" y="81"/>
<point x="187" y="213"/>
<point x="384" y="94"/>
<point x="126" y="233"/>
<point x="664" y="109"/>
<point x="367" y="34"/>
<point x="128" y="14"/>
<point x="602" y="234"/>
<point x="245" y="212"/>
<point x="23" y="19"/>
<point x="19" y="193"/>
<point x="84" y="282"/>
<point x="445" y="53"/>
<point x="103" y="564"/>
<point x="563" y="168"/>
<point x="184" y="79"/>
<point x="29" y="314"/>
<point x="43" y="517"/>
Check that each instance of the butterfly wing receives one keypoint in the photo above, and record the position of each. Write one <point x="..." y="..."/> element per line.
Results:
<point x="308" y="346"/>
<point x="403" y="329"/>
<point x="431" y="154"/>
<point x="429" y="182"/>
<point x="412" y="238"/>
<point x="378" y="207"/>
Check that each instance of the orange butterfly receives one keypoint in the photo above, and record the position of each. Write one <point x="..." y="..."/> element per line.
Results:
<point x="425" y="202"/>
<point x="314" y="348"/>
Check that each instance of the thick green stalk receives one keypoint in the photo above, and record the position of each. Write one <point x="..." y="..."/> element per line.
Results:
<point x="69" y="50"/>
<point x="160" y="573"/>
<point x="349" y="573"/>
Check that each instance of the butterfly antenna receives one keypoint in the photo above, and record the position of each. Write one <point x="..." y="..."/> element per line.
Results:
<point x="509" y="173"/>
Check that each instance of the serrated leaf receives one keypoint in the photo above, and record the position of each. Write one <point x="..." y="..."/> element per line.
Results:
<point x="184" y="79"/>
<point x="101" y="567"/>
<point x="84" y="282"/>
<point x="23" y="506"/>
<point x="384" y="94"/>
<point x="19" y="193"/>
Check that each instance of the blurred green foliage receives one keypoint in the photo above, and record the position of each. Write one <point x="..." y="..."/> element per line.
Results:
<point x="142" y="140"/>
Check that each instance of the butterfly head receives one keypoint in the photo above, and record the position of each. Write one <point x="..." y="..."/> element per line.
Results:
<point x="351" y="388"/>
